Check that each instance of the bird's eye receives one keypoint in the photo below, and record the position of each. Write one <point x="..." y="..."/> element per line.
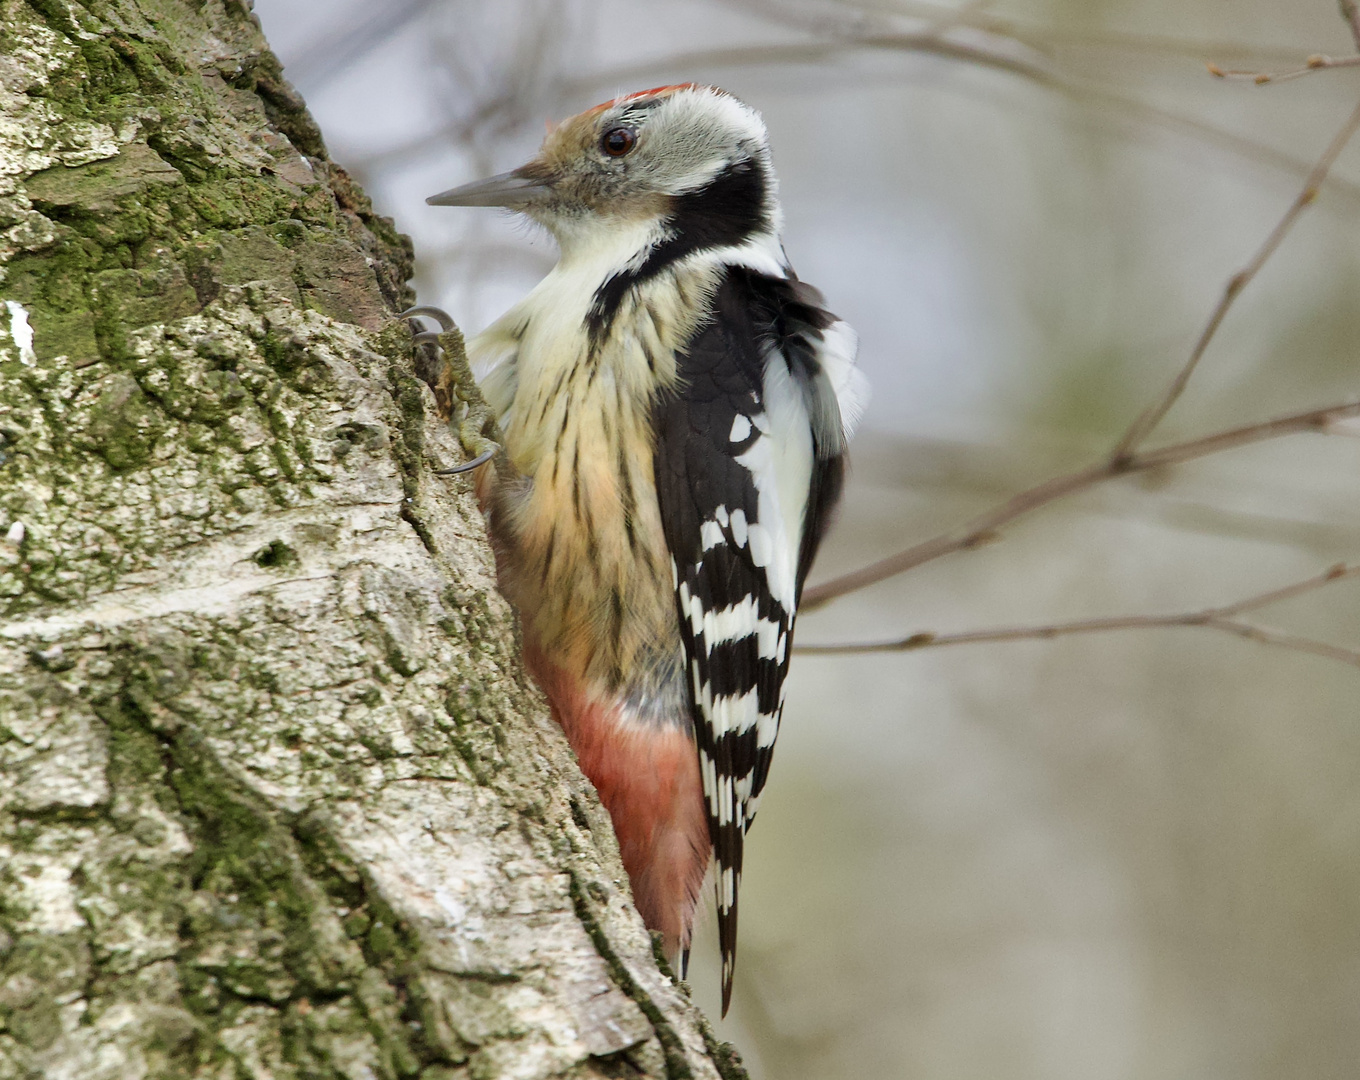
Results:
<point x="618" y="141"/>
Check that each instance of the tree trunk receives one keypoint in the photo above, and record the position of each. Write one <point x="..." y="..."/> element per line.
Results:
<point x="276" y="798"/>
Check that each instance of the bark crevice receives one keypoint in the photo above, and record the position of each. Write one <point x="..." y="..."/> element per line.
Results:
<point x="277" y="797"/>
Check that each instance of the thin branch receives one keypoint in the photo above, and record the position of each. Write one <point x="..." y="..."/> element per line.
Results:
<point x="1223" y="618"/>
<point x="335" y="54"/>
<point x="1316" y="62"/>
<point x="1350" y="11"/>
<point x="1266" y="636"/>
<point x="1042" y="37"/>
<point x="1027" y="67"/>
<point x="1060" y="34"/>
<point x="1021" y="61"/>
<point x="1125" y="457"/>
<point x="1084" y="93"/>
<point x="1155" y="45"/>
<point x="1146" y="421"/>
<point x="1318" y="420"/>
<point x="983" y="528"/>
<point x="1336" y="572"/>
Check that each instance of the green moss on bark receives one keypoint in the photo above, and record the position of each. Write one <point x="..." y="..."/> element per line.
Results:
<point x="278" y="799"/>
<point x="200" y="186"/>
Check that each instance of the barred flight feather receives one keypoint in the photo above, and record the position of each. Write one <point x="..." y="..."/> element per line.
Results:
<point x="749" y="460"/>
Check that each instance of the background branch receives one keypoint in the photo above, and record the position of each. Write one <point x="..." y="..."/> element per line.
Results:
<point x="1316" y="62"/>
<point x="1124" y="458"/>
<point x="1350" y="11"/>
<point x="1033" y="241"/>
<point x="1020" y="51"/>
<point x="1148" y="420"/>
<point x="983" y="528"/>
<point x="1024" y="59"/>
<point x="1224" y="618"/>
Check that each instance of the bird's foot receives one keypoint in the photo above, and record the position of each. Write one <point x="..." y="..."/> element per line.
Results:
<point x="443" y="357"/>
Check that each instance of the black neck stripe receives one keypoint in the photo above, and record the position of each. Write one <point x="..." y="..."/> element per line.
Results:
<point x="726" y="211"/>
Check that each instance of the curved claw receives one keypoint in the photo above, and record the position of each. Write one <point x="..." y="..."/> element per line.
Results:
<point x="437" y="314"/>
<point x="476" y="463"/>
<point x="426" y="337"/>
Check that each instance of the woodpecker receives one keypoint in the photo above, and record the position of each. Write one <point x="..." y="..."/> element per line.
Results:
<point x="675" y="406"/>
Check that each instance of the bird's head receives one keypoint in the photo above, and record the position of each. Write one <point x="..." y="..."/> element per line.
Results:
<point x="685" y="165"/>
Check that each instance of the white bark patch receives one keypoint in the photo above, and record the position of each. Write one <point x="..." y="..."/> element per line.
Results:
<point x="21" y="333"/>
<point x="42" y="886"/>
<point x="354" y="677"/>
<point x="55" y="756"/>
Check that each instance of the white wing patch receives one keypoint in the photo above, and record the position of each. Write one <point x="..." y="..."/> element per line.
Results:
<point x="836" y="352"/>
<point x="780" y="463"/>
<point x="751" y="445"/>
<point x="727" y="624"/>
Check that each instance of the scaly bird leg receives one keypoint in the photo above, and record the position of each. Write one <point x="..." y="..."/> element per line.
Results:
<point x="477" y="429"/>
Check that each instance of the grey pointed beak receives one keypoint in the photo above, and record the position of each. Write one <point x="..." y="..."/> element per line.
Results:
<point x="508" y="189"/>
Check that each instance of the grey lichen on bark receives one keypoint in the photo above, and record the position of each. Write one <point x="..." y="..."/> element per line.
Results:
<point x="276" y="797"/>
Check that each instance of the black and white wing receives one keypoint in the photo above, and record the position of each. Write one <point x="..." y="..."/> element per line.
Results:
<point x="749" y="464"/>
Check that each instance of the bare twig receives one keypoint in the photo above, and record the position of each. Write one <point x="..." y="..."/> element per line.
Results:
<point x="1040" y="72"/>
<point x="1154" y="413"/>
<point x="1350" y="11"/>
<point x="1225" y="618"/>
<point x="1319" y="420"/>
<point x="1009" y="51"/>
<point x="336" y="53"/>
<point x="1125" y="457"/>
<point x="983" y="528"/>
<point x="1155" y="44"/>
<point x="1316" y="62"/>
<point x="843" y="21"/>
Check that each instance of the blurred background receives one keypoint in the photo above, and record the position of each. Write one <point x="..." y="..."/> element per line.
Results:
<point x="1134" y="855"/>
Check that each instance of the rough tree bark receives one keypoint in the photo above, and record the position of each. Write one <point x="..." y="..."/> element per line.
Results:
<point x="276" y="799"/>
